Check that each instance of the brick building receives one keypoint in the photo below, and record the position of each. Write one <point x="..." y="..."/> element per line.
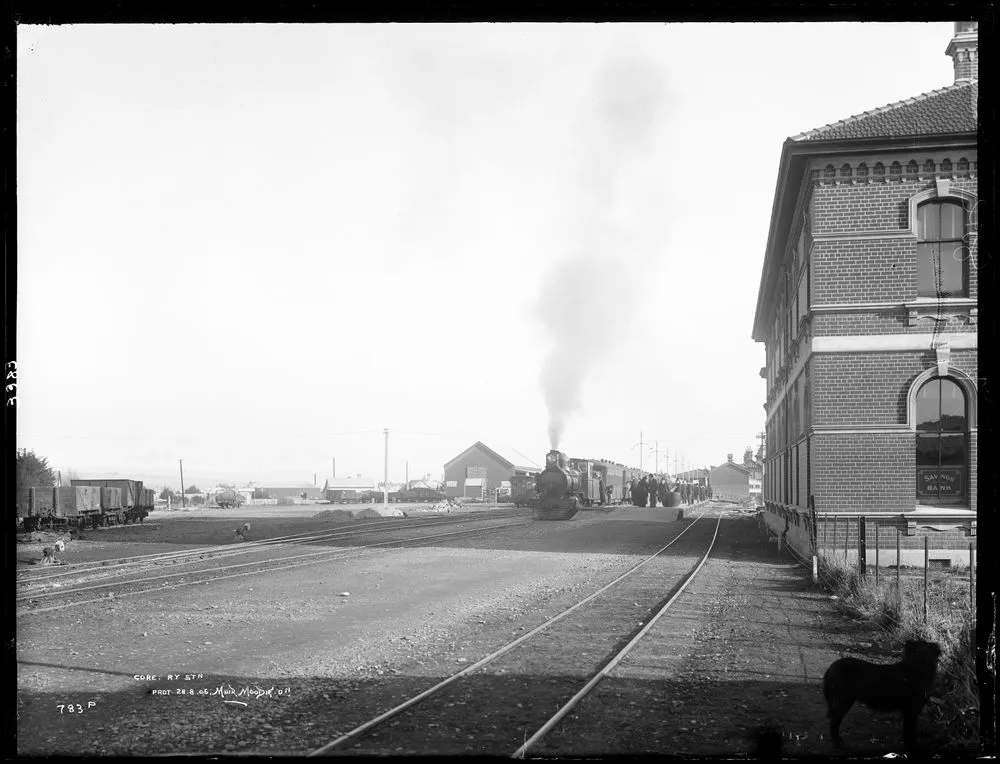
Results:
<point x="868" y="307"/>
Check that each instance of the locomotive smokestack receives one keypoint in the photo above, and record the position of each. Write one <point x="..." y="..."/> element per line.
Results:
<point x="581" y="303"/>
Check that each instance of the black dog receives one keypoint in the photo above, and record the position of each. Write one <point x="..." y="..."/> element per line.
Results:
<point x="903" y="686"/>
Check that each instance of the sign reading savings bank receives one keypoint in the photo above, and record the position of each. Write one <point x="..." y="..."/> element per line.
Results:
<point x="940" y="481"/>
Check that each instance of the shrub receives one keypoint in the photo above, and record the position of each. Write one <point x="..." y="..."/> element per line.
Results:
<point x="899" y="617"/>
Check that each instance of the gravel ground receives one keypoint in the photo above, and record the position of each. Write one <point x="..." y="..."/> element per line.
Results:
<point x="285" y="662"/>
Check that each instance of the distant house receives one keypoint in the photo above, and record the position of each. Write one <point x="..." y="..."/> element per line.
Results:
<point x="479" y="470"/>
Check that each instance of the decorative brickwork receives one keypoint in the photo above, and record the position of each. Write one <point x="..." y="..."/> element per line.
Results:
<point x="886" y="321"/>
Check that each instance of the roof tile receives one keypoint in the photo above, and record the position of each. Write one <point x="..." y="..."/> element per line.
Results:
<point x="952" y="109"/>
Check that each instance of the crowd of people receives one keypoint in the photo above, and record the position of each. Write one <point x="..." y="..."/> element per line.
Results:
<point x="648" y="490"/>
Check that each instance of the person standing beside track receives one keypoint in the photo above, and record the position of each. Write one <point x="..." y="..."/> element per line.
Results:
<point x="640" y="492"/>
<point x="652" y="490"/>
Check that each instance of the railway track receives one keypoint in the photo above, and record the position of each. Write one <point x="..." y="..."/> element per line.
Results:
<point x="604" y="622"/>
<point x="96" y="569"/>
<point x="88" y="590"/>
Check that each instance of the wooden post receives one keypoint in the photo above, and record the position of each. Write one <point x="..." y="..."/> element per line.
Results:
<point x="926" y="562"/>
<point x="972" y="583"/>
<point x="899" y="596"/>
<point x="847" y="535"/>
<point x="876" y="553"/>
<point x="862" y="545"/>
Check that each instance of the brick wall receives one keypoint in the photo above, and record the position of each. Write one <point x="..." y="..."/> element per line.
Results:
<point x="863" y="472"/>
<point x="852" y="389"/>
<point x="871" y="270"/>
<point x="864" y="388"/>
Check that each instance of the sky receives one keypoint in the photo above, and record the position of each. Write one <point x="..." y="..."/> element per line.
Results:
<point x="255" y="247"/>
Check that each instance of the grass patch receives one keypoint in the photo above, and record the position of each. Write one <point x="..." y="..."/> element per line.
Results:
<point x="899" y="616"/>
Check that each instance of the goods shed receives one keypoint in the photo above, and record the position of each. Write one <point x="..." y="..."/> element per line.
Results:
<point x="479" y="470"/>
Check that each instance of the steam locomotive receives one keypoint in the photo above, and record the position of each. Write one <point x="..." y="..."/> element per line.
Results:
<point x="566" y="486"/>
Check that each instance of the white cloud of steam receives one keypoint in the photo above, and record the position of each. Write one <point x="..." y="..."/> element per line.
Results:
<point x="587" y="299"/>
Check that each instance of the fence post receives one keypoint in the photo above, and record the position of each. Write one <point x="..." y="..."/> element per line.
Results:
<point x="926" y="562"/>
<point x="847" y="535"/>
<point x="972" y="584"/>
<point x="815" y="535"/>
<point x="899" y="596"/>
<point x="862" y="545"/>
<point x="876" y="553"/>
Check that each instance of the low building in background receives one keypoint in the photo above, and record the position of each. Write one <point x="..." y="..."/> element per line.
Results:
<point x="737" y="481"/>
<point x="348" y="490"/>
<point x="699" y="476"/>
<point x="299" y="493"/>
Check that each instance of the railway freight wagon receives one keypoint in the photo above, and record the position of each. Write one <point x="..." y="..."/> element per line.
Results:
<point x="64" y="505"/>
<point x="122" y="501"/>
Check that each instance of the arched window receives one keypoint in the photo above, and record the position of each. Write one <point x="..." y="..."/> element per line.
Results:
<point x="942" y="442"/>
<point x="941" y="252"/>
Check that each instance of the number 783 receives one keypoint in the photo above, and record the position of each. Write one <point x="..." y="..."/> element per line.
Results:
<point x="74" y="708"/>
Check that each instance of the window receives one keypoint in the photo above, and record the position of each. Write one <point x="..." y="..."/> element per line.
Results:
<point x="941" y="252"/>
<point x="942" y="442"/>
<point x="806" y="400"/>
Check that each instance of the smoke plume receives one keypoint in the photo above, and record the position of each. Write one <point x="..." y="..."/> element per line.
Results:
<point x="587" y="298"/>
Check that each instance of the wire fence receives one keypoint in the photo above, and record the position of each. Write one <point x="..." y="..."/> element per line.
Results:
<point x="895" y="597"/>
<point x="878" y="552"/>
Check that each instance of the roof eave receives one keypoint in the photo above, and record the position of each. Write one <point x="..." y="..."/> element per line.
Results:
<point x="800" y="149"/>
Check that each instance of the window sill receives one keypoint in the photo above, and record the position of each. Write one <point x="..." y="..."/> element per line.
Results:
<point x="940" y="309"/>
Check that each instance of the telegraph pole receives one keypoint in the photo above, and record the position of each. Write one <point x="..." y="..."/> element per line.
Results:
<point x="639" y="444"/>
<point x="385" y="484"/>
<point x="183" y="500"/>
<point x="334" y="458"/>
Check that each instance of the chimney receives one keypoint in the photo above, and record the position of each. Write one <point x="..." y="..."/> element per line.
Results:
<point x="964" y="51"/>
<point x="729" y="458"/>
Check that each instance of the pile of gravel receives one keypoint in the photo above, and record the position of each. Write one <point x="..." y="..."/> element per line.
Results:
<point x="334" y="515"/>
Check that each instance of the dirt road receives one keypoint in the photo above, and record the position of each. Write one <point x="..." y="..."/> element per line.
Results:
<point x="286" y="661"/>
